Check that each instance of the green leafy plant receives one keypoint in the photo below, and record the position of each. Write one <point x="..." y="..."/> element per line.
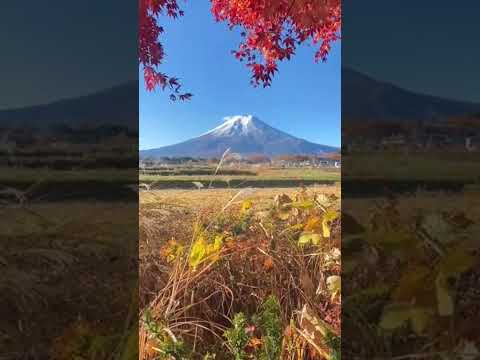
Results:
<point x="237" y="337"/>
<point x="245" y="218"/>
<point x="270" y="324"/>
<point x="334" y="343"/>
<point x="168" y="346"/>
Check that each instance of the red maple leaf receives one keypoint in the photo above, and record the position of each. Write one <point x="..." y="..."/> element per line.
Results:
<point x="271" y="31"/>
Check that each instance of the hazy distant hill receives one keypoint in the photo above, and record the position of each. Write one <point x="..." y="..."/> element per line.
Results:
<point x="115" y="106"/>
<point x="366" y="98"/>
<point x="243" y="135"/>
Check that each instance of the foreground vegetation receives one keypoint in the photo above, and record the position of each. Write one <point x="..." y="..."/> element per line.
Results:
<point x="228" y="274"/>
<point x="68" y="280"/>
<point x="411" y="272"/>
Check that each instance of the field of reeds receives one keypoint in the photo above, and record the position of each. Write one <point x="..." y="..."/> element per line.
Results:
<point x="240" y="274"/>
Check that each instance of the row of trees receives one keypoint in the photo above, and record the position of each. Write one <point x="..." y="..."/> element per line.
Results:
<point x="250" y="159"/>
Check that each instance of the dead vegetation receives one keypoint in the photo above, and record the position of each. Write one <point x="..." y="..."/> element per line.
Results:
<point x="411" y="274"/>
<point x="240" y="275"/>
<point x="68" y="271"/>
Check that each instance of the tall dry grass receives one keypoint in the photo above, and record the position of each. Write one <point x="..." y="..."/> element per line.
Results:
<point x="192" y="305"/>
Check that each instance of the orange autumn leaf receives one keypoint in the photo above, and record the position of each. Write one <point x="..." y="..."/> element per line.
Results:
<point x="313" y="223"/>
<point x="255" y="343"/>
<point x="268" y="264"/>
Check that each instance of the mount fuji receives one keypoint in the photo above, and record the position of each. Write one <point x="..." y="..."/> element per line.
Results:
<point x="244" y="135"/>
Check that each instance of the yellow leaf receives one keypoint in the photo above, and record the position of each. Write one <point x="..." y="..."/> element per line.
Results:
<point x="172" y="250"/>
<point x="419" y="319"/>
<point x="329" y="216"/>
<point x="218" y="242"/>
<point x="307" y="204"/>
<point x="246" y="205"/>
<point x="212" y="250"/>
<point x="284" y="214"/>
<point x="323" y="200"/>
<point x="334" y="285"/>
<point x="198" y="252"/>
<point x="312" y="224"/>
<point x="308" y="237"/>
<point x="394" y="316"/>
<point x="444" y="299"/>
<point x="456" y="262"/>
<point x="316" y="239"/>
<point x="326" y="229"/>
<point x="296" y="227"/>
<point x="393" y="240"/>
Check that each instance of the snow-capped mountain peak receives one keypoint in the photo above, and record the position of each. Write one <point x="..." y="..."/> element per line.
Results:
<point x="237" y="125"/>
<point x="244" y="135"/>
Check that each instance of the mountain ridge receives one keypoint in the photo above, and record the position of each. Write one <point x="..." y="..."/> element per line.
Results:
<point x="384" y="101"/>
<point x="116" y="105"/>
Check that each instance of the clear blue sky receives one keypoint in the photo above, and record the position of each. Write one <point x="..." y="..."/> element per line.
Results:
<point x="304" y="99"/>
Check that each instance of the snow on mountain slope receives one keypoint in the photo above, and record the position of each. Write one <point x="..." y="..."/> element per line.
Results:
<point x="244" y="135"/>
<point x="236" y="125"/>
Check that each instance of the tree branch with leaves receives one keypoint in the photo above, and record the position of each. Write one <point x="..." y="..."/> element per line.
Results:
<point x="271" y="30"/>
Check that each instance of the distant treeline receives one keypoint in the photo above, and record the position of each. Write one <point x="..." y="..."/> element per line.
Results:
<point x="233" y="157"/>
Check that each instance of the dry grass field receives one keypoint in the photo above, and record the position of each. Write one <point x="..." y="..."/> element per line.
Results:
<point x="240" y="274"/>
<point x="68" y="271"/>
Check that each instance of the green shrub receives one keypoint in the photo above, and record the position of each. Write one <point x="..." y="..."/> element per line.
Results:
<point x="270" y="323"/>
<point x="237" y="337"/>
